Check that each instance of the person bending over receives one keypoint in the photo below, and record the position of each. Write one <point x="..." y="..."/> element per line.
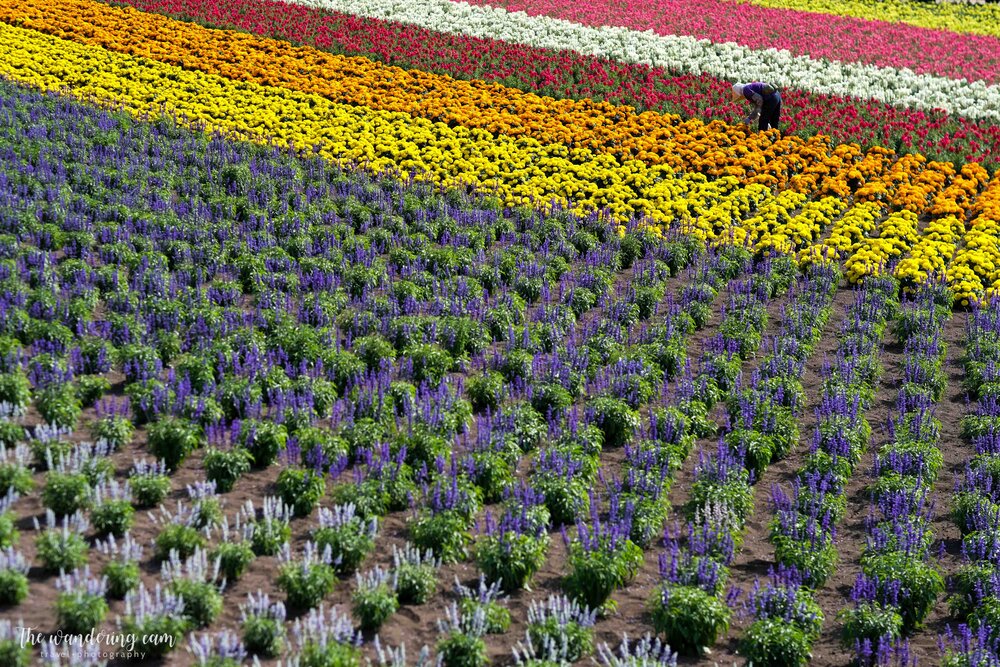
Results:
<point x="766" y="103"/>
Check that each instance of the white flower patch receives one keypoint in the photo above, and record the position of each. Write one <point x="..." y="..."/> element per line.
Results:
<point x="684" y="54"/>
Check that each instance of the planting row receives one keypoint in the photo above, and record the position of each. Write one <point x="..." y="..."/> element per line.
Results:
<point x="974" y="505"/>
<point x="683" y="53"/>
<point x="963" y="16"/>
<point x="523" y="170"/>
<point x="413" y="42"/>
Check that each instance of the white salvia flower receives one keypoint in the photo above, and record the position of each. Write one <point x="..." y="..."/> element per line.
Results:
<point x="8" y="500"/>
<point x="225" y="644"/>
<point x="111" y="489"/>
<point x="71" y="523"/>
<point x="273" y="510"/>
<point x="411" y="555"/>
<point x="141" y="604"/>
<point x="225" y="532"/>
<point x="396" y="657"/>
<point x="201" y="489"/>
<point x="124" y="550"/>
<point x="46" y="433"/>
<point x="82" y="581"/>
<point x="247" y="513"/>
<point x="195" y="567"/>
<point x="485" y="593"/>
<point x="551" y="650"/>
<point x="717" y="514"/>
<point x="72" y="654"/>
<point x="647" y="652"/>
<point x="81" y="458"/>
<point x="9" y="411"/>
<point x="310" y="555"/>
<point x="562" y="610"/>
<point x="376" y="577"/>
<point x="19" y="454"/>
<point x="324" y="626"/>
<point x="183" y="514"/>
<point x="260" y="605"/>
<point x="12" y="559"/>
<point x="144" y="467"/>
<point x="473" y="624"/>
<point x="9" y="630"/>
<point x="342" y="515"/>
<point x="276" y="509"/>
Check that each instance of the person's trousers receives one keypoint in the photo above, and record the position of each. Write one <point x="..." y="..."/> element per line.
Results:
<point x="770" y="112"/>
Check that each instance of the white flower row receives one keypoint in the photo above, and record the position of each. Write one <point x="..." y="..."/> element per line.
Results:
<point x="901" y="87"/>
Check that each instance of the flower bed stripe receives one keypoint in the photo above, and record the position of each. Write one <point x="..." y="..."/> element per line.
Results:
<point x="651" y="138"/>
<point x="834" y="38"/>
<point x="975" y="506"/>
<point x="521" y="170"/>
<point x="623" y="139"/>
<point x="975" y="269"/>
<point x="565" y="73"/>
<point x="688" y="54"/>
<point x="899" y="577"/>
<point x="959" y="17"/>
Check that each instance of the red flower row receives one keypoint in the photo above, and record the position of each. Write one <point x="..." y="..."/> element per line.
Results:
<point x="568" y="74"/>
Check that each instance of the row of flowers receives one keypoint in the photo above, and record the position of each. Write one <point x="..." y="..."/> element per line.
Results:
<point x="899" y="585"/>
<point x="784" y="618"/>
<point x="681" y="53"/>
<point x="804" y="529"/>
<point x="520" y="169"/>
<point x="569" y="74"/>
<point x="975" y="502"/>
<point x="976" y="264"/>
<point x="600" y="127"/>
<point x="841" y="39"/>
<point x="961" y="16"/>
<point x="688" y="606"/>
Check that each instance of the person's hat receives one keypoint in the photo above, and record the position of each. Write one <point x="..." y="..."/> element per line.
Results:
<point x="737" y="92"/>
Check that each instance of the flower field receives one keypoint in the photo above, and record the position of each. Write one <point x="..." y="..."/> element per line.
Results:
<point x="464" y="333"/>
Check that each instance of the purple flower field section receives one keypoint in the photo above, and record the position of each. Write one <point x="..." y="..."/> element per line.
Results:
<point x="256" y="405"/>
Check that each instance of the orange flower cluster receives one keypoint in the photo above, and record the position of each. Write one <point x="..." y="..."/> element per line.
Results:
<point x="959" y="197"/>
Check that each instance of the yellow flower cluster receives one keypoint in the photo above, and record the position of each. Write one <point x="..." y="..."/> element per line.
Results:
<point x="871" y="256"/>
<point x="719" y="221"/>
<point x="974" y="274"/>
<point x="931" y="253"/>
<point x="780" y="228"/>
<point x="771" y="217"/>
<point x="846" y="235"/>
<point x="982" y="18"/>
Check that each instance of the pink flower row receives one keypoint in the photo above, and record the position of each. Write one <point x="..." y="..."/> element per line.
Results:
<point x="837" y="38"/>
